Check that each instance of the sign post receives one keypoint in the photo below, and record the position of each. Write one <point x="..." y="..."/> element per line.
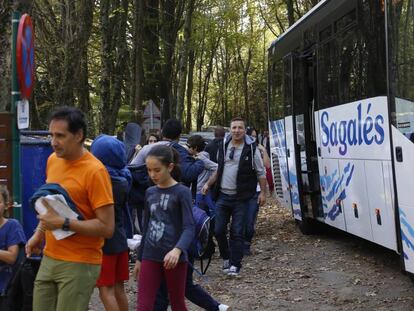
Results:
<point x="152" y="117"/>
<point x="16" y="176"/>
<point x="22" y="87"/>
<point x="25" y="56"/>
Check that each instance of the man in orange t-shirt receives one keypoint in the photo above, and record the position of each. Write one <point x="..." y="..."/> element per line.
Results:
<point x="71" y="266"/>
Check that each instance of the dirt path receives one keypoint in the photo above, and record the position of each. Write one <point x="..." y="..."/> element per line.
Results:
<point x="290" y="271"/>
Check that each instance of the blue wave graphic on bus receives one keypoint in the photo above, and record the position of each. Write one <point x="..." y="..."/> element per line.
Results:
<point x="278" y="131"/>
<point x="294" y="191"/>
<point x="410" y="233"/>
<point x="297" y="212"/>
<point x="331" y="185"/>
<point x="362" y="130"/>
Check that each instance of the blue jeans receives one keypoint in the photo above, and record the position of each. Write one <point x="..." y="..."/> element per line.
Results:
<point x="228" y="206"/>
<point x="206" y="200"/>
<point x="251" y="217"/>
<point x="193" y="292"/>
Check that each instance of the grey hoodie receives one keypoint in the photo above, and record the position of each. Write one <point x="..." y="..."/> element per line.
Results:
<point x="209" y="168"/>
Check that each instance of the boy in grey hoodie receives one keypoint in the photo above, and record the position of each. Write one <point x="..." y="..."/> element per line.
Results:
<point x="196" y="144"/>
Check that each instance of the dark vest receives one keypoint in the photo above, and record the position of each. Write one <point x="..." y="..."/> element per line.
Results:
<point x="246" y="182"/>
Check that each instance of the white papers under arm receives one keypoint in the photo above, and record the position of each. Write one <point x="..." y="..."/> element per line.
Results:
<point x="59" y="204"/>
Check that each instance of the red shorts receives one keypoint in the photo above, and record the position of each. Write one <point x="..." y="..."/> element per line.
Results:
<point x="114" y="269"/>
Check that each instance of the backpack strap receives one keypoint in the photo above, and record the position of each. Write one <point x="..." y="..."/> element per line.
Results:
<point x="204" y="270"/>
<point x="200" y="274"/>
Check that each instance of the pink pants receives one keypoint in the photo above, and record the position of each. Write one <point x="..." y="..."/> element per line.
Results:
<point x="150" y="277"/>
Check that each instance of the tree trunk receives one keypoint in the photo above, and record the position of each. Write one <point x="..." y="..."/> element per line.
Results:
<point x="245" y="71"/>
<point x="85" y="18"/>
<point x="205" y="86"/>
<point x="151" y="49"/>
<point x="168" y="42"/>
<point x="182" y="74"/>
<point x="171" y="14"/>
<point x="65" y="94"/>
<point x="82" y="92"/>
<point x="137" y="87"/>
<point x="246" y="86"/>
<point x="290" y="11"/>
<point x="190" y="83"/>
<point x="106" y="71"/>
<point x="5" y="56"/>
<point x="114" y="59"/>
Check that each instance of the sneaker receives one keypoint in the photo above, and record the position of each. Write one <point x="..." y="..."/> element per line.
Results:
<point x="222" y="307"/>
<point x="233" y="271"/>
<point x="226" y="266"/>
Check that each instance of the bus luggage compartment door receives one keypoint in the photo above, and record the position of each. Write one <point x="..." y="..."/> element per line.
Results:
<point x="353" y="195"/>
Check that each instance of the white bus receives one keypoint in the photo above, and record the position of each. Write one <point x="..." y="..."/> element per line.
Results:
<point x="341" y="117"/>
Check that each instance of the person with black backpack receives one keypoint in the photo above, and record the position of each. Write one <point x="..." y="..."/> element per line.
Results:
<point x="196" y="145"/>
<point x="190" y="167"/>
<point x="171" y="131"/>
<point x="193" y="292"/>
<point x="114" y="268"/>
<point x="240" y="168"/>
<point x="199" y="249"/>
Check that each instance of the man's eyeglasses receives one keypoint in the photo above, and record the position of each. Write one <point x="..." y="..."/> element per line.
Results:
<point x="231" y="155"/>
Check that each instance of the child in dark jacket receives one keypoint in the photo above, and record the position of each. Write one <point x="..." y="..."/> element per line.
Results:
<point x="168" y="232"/>
<point x="114" y="269"/>
<point x="196" y="145"/>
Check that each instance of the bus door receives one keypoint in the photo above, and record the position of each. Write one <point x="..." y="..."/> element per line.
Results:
<point x="401" y="74"/>
<point x="291" y="137"/>
<point x="304" y="92"/>
<point x="279" y="162"/>
<point x="403" y="141"/>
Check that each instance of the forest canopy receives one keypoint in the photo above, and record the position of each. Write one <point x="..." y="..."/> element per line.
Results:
<point x="200" y="61"/>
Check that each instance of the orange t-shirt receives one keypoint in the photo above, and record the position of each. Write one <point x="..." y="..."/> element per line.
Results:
<point x="88" y="184"/>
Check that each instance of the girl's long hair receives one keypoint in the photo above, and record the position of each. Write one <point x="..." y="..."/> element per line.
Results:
<point x="5" y="194"/>
<point x="167" y="155"/>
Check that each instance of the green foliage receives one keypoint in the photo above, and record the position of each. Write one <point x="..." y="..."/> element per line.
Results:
<point x="229" y="39"/>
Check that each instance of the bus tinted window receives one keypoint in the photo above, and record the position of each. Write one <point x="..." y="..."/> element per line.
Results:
<point x="287" y="84"/>
<point x="352" y="63"/>
<point x="299" y="104"/>
<point x="328" y="74"/>
<point x="275" y="88"/>
<point x="401" y="36"/>
<point x="345" y="21"/>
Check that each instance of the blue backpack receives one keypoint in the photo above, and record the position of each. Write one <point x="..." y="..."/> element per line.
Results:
<point x="203" y="244"/>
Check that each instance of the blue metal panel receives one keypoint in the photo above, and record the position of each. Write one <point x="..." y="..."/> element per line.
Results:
<point x="34" y="155"/>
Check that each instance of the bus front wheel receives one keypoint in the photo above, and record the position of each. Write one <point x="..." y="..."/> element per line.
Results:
<point x="308" y="226"/>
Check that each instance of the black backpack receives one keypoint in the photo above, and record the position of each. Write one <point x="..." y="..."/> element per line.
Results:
<point x="203" y="246"/>
<point x="19" y="293"/>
